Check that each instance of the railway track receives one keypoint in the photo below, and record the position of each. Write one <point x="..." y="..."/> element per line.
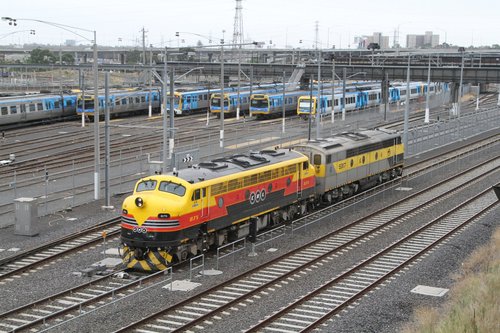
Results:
<point x="313" y="309"/>
<point x="27" y="260"/>
<point x="16" y="265"/>
<point x="199" y="312"/>
<point x="76" y="301"/>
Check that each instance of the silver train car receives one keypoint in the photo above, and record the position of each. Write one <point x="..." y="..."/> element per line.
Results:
<point x="32" y="108"/>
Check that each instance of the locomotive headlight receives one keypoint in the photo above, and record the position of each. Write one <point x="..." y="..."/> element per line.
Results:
<point x="139" y="202"/>
<point x="124" y="211"/>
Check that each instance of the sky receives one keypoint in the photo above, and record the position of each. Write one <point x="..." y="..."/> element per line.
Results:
<point x="277" y="23"/>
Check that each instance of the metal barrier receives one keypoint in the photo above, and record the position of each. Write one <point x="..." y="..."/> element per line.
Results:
<point x="270" y="235"/>
<point x="233" y="250"/>
<point x="191" y="268"/>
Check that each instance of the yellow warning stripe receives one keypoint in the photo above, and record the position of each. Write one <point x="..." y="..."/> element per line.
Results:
<point x="155" y="261"/>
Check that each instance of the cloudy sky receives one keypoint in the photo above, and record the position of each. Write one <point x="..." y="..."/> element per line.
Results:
<point x="284" y="22"/>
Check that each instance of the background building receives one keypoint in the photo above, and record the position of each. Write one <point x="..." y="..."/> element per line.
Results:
<point x="422" y="41"/>
<point x="377" y="37"/>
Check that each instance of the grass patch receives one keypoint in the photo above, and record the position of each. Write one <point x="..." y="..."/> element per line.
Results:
<point x="474" y="303"/>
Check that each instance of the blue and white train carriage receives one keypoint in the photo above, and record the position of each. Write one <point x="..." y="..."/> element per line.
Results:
<point x="271" y="105"/>
<point x="361" y="99"/>
<point x="42" y="107"/>
<point x="120" y="102"/>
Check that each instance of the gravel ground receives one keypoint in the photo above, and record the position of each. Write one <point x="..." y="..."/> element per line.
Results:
<point x="391" y="307"/>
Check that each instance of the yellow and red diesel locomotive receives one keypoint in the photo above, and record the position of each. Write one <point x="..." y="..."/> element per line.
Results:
<point x="180" y="214"/>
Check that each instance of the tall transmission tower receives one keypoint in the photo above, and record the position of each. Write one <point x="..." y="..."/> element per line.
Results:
<point x="238" y="24"/>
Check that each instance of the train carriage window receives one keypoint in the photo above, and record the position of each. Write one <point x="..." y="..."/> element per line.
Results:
<point x="117" y="102"/>
<point x="4" y="111"/>
<point x="57" y="105"/>
<point x="317" y="159"/>
<point x="143" y="99"/>
<point x="352" y="163"/>
<point x="328" y="159"/>
<point x="137" y="100"/>
<point x="131" y="100"/>
<point x="124" y="101"/>
<point x="39" y="106"/>
<point x="13" y="109"/>
<point x="205" y="97"/>
<point x="32" y="107"/>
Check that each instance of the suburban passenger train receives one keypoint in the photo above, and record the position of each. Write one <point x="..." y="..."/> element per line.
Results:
<point x="183" y="213"/>
<point x="355" y="100"/>
<point x="120" y="102"/>
<point x="264" y="106"/>
<point x="187" y="102"/>
<point x="39" y="107"/>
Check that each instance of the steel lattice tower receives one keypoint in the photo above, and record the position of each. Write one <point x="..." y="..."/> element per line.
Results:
<point x="238" y="24"/>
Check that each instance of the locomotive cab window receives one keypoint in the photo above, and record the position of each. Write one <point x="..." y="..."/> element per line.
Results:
<point x="146" y="185"/>
<point x="172" y="188"/>
<point x="305" y="165"/>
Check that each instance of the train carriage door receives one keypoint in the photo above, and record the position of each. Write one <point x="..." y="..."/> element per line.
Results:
<point x="22" y="109"/>
<point x="299" y="181"/>
<point x="200" y="201"/>
<point x="204" y="202"/>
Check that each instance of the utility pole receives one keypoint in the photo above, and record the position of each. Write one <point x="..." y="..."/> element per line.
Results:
<point x="318" y="98"/>
<point x="221" y="139"/>
<point x="333" y="88"/>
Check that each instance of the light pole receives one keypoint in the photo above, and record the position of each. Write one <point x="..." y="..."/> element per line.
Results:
<point x="333" y="88"/>
<point x="318" y="99"/>
<point x="221" y="139"/>
<point x="426" y="118"/>
<point x="462" y="51"/>
<point x="407" y="109"/>
<point x="31" y="31"/>
<point x="13" y="21"/>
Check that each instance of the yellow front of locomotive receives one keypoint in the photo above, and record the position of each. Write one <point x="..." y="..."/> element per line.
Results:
<point x="152" y="222"/>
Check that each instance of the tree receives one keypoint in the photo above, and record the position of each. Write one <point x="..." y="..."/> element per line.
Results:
<point x="134" y="57"/>
<point x="67" y="58"/>
<point x="42" y="56"/>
